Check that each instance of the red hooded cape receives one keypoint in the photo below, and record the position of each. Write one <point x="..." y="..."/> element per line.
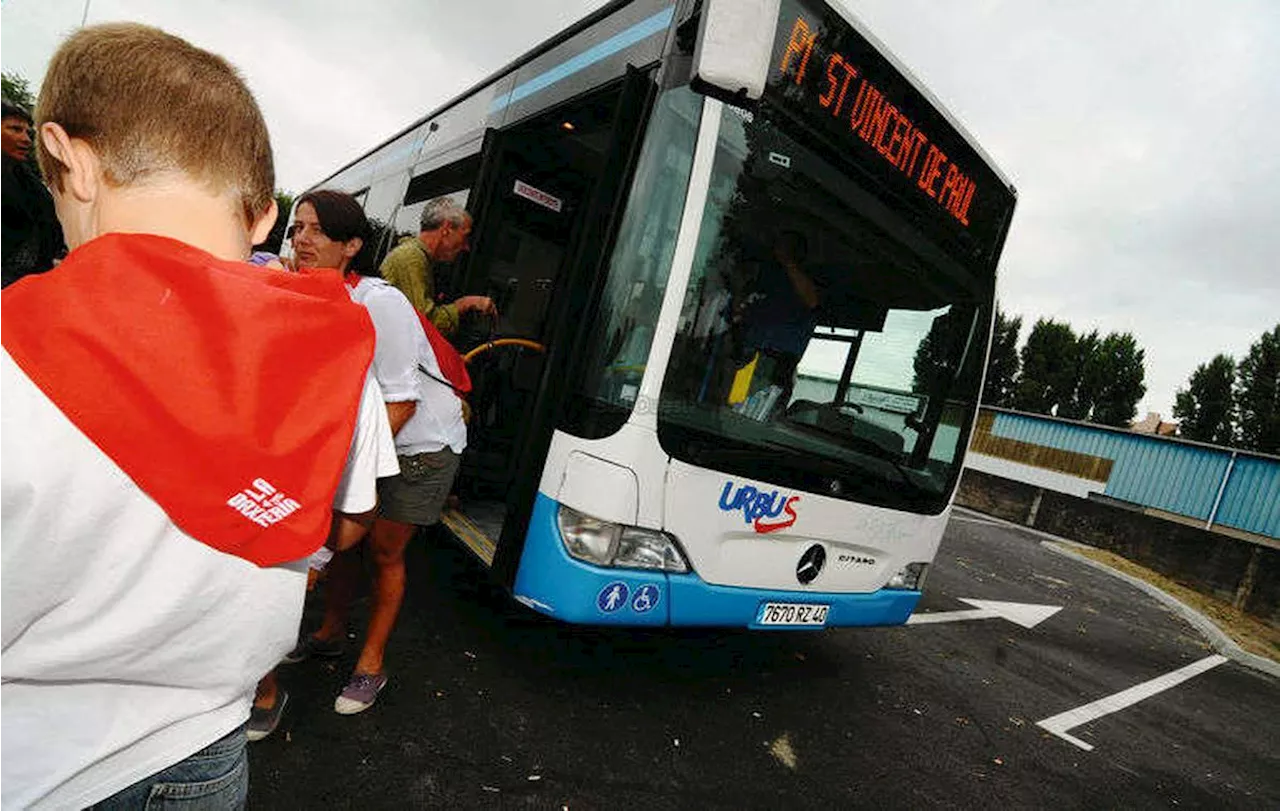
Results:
<point x="228" y="393"/>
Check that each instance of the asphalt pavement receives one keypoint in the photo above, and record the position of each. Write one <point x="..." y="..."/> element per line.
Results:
<point x="491" y="706"/>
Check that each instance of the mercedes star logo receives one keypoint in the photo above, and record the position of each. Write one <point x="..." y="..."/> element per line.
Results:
<point x="810" y="564"/>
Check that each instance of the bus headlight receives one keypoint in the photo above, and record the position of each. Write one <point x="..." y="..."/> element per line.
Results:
<point x="909" y="577"/>
<point x="648" y="549"/>
<point x="588" y="538"/>
<point x="605" y="543"/>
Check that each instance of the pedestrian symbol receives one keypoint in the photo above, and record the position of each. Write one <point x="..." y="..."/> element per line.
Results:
<point x="646" y="598"/>
<point x="612" y="597"/>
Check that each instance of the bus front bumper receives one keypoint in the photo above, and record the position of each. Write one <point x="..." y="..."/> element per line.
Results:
<point x="552" y="582"/>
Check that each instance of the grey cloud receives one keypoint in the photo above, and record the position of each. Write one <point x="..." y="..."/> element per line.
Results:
<point x="1140" y="135"/>
<point x="334" y="78"/>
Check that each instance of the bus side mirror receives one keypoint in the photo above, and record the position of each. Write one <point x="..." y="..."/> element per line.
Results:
<point x="735" y="45"/>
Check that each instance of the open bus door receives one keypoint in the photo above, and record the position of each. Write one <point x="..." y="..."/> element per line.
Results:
<point x="545" y="206"/>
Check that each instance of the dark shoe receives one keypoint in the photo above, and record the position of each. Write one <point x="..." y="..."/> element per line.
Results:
<point x="264" y="720"/>
<point x="310" y="646"/>
<point x="360" y="693"/>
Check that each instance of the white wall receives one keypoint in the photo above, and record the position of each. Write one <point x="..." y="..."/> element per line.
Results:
<point x="1036" y="476"/>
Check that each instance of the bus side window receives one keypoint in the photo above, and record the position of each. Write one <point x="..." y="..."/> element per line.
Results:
<point x="379" y="206"/>
<point x="619" y="340"/>
<point x="453" y="180"/>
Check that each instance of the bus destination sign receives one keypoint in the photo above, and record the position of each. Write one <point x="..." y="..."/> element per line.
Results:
<point x="827" y="74"/>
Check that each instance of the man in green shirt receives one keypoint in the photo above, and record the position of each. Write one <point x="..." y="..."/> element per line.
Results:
<point x="443" y="235"/>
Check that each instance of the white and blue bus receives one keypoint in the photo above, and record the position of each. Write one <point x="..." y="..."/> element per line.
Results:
<point x="753" y="264"/>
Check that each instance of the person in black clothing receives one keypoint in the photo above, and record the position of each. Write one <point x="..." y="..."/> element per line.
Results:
<point x="778" y="316"/>
<point x="32" y="237"/>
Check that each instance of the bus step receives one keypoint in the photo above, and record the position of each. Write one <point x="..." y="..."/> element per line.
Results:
<point x="466" y="531"/>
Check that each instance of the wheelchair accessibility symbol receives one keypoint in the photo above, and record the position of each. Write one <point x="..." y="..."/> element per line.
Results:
<point x="646" y="598"/>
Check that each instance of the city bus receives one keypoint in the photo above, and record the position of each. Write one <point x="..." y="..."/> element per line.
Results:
<point x="745" y="269"/>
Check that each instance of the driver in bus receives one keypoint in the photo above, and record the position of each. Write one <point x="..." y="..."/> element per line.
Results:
<point x="777" y="319"/>
<point x="444" y="234"/>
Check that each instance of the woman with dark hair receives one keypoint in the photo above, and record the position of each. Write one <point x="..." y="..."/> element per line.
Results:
<point x="331" y="230"/>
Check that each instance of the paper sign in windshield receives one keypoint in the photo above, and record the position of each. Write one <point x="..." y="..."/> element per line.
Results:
<point x="538" y="196"/>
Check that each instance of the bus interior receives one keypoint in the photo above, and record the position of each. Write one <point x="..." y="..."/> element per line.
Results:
<point x="531" y="204"/>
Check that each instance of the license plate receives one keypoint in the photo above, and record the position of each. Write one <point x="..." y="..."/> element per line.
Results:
<point x="792" y="614"/>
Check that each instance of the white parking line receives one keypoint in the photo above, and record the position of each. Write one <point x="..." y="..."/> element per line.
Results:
<point x="971" y="517"/>
<point x="1060" y="723"/>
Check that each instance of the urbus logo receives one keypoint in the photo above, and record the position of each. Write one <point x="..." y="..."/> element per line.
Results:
<point x="759" y="508"/>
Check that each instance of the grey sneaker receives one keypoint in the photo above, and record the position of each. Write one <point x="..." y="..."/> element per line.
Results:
<point x="360" y="693"/>
<point x="262" y="722"/>
<point x="310" y="646"/>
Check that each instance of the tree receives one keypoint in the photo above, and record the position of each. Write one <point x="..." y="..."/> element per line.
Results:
<point x="1048" y="377"/>
<point x="1258" y="394"/>
<point x="1090" y="378"/>
<point x="1002" y="365"/>
<point x="938" y="356"/>
<point x="1206" y="408"/>
<point x="275" y="240"/>
<point x="17" y="90"/>
<point x="1123" y="374"/>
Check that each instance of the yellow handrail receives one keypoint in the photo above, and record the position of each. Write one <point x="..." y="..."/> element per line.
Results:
<point x="485" y="347"/>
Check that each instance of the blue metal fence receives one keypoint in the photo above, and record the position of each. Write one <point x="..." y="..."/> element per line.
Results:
<point x="1168" y="474"/>
<point x="1252" y="496"/>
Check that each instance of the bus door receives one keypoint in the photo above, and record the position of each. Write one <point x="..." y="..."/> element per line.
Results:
<point x="546" y="193"/>
<point x="526" y="209"/>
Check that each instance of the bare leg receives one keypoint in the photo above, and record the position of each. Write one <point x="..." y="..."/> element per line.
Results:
<point x="265" y="698"/>
<point x="342" y="579"/>
<point x="387" y="541"/>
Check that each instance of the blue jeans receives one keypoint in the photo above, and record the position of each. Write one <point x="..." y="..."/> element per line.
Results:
<point x="214" y="779"/>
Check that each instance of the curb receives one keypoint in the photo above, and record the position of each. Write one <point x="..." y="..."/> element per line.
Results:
<point x="1218" y="640"/>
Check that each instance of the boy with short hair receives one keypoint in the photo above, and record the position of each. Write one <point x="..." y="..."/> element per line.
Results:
<point x="180" y="431"/>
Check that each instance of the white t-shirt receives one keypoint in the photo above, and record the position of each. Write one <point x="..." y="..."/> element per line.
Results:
<point x="401" y="346"/>
<point x="127" y="644"/>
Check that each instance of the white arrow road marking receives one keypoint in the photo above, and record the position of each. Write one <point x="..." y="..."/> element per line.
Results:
<point x="1060" y="723"/>
<point x="970" y="519"/>
<point x="1028" y="615"/>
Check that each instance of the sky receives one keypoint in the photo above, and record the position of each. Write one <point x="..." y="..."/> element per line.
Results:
<point x="1140" y="134"/>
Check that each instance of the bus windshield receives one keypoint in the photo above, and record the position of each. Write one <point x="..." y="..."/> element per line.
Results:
<point x="816" y="349"/>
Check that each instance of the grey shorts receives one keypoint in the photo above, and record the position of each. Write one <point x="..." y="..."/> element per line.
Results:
<point x="416" y="495"/>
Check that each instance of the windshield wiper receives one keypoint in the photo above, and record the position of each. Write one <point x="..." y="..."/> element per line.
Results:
<point x="865" y="445"/>
<point x="710" y="455"/>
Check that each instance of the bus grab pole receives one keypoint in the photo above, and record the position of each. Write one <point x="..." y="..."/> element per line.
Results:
<point x="646" y="413"/>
